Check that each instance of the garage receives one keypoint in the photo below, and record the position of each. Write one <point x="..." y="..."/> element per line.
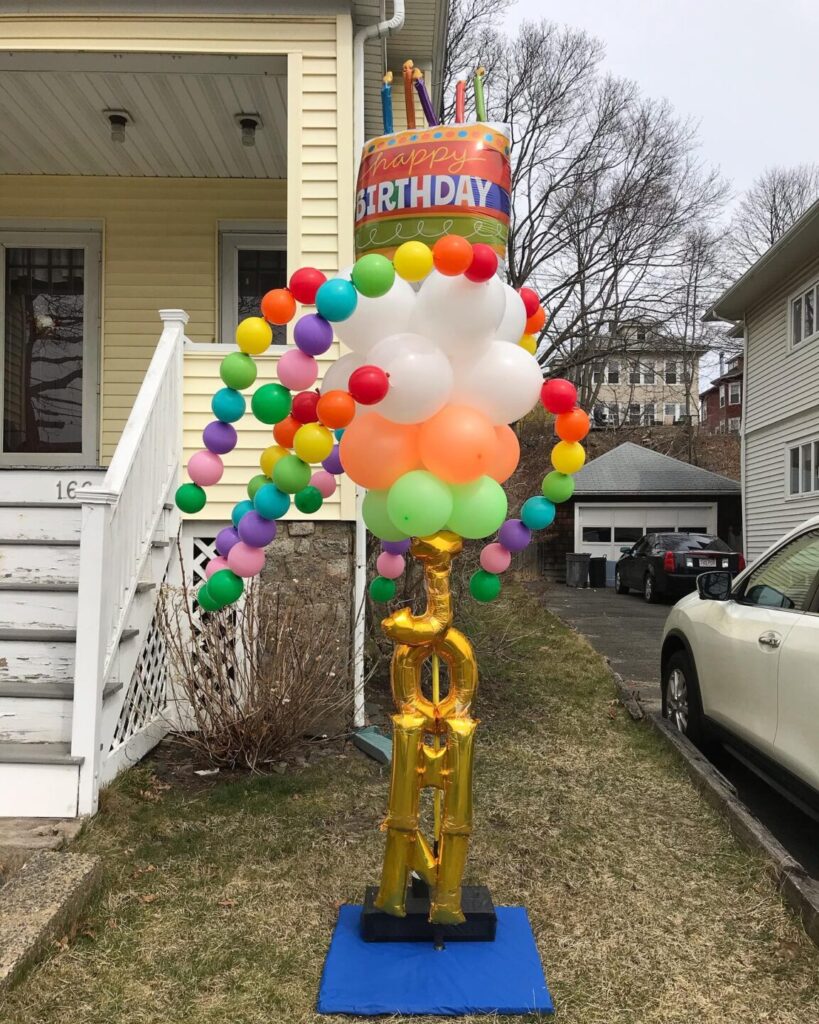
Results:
<point x="604" y="529"/>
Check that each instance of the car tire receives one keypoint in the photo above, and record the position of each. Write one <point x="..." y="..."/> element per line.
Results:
<point x="682" y="703"/>
<point x="650" y="589"/>
<point x="619" y="586"/>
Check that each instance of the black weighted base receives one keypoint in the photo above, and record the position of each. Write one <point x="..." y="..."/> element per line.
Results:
<point x="476" y="900"/>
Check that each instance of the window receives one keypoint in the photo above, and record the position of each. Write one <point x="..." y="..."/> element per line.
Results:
<point x="614" y="373"/>
<point x="683" y="541"/>
<point x="597" y="374"/>
<point x="803" y="468"/>
<point x="734" y="424"/>
<point x="648" y="373"/>
<point x="803" y="319"/>
<point x="670" y="372"/>
<point x="634" y="374"/>
<point x="648" y="414"/>
<point x="722" y="396"/>
<point x="734" y="393"/>
<point x="786" y="578"/>
<point x="251" y="264"/>
<point x="597" y="535"/>
<point x="670" y="412"/>
<point x="600" y="414"/>
<point x="627" y="534"/>
<point x="634" y="414"/>
<point x="661" y="529"/>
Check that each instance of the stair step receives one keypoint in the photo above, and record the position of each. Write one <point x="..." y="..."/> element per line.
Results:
<point x="67" y="586"/>
<point x="49" y="542"/>
<point x="38" y="609"/>
<point x="41" y="522"/>
<point x="55" y="689"/>
<point x="38" y="562"/>
<point x="53" y="636"/>
<point x="37" y="753"/>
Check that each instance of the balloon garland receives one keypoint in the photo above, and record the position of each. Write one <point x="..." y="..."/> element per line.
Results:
<point x="417" y="413"/>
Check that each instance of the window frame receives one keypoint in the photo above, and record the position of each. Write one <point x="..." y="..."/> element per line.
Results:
<point x="723" y="395"/>
<point x="798" y="446"/>
<point x="270" y="235"/>
<point x="670" y="370"/>
<point x="800" y="296"/>
<point x="735" y="389"/>
<point x="615" y="366"/>
<point x="738" y="594"/>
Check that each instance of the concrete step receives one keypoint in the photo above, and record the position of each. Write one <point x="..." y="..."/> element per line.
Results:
<point x="31" y="521"/>
<point x="38" y="780"/>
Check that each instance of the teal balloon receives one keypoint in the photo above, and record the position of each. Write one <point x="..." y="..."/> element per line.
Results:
<point x="373" y="275"/>
<point x="308" y="500"/>
<point x="339" y="433"/>
<point x="377" y="519"/>
<point x="255" y="484"/>
<point x="190" y="498"/>
<point x="336" y="299"/>
<point x="419" y="503"/>
<point x="240" y="509"/>
<point x="538" y="513"/>
<point x="271" y="403"/>
<point x="237" y="370"/>
<point x="558" y="487"/>
<point x="206" y="602"/>
<point x="225" y="587"/>
<point x="291" y="474"/>
<point x="478" y="508"/>
<point x="382" y="589"/>
<point x="270" y="502"/>
<point x="228" y="405"/>
<point x="483" y="586"/>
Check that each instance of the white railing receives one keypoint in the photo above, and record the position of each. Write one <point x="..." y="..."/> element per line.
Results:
<point x="120" y="519"/>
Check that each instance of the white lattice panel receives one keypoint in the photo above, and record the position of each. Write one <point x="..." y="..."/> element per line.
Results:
<point x="147" y="691"/>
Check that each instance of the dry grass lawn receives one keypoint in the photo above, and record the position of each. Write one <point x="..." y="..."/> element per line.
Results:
<point x="219" y="902"/>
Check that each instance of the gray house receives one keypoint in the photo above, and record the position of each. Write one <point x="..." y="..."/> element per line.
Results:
<point x="776" y="302"/>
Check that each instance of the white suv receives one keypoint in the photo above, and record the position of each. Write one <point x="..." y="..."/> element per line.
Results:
<point x="740" y="663"/>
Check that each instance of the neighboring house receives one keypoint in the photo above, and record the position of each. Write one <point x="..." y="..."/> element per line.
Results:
<point x="721" y="404"/>
<point x="776" y="301"/>
<point x="630" y="491"/>
<point x="183" y="161"/>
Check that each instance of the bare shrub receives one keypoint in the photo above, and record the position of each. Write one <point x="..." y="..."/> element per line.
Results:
<point x="252" y="681"/>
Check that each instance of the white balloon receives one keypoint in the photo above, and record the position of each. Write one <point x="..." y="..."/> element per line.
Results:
<point x="513" y="323"/>
<point x="420" y="377"/>
<point x="376" y="319"/>
<point x="339" y="373"/>
<point x="458" y="314"/>
<point x="504" y="382"/>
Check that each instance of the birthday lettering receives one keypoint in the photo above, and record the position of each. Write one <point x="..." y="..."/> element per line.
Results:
<point x="427" y="191"/>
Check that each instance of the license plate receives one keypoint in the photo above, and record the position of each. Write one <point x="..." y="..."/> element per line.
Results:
<point x="708" y="563"/>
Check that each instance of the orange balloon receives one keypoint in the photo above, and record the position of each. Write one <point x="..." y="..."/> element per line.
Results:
<point x="285" y="431"/>
<point x="536" y="322"/>
<point x="375" y="451"/>
<point x="452" y="255"/>
<point x="572" y="426"/>
<point x="278" y="306"/>
<point x="507" y="455"/>
<point x="336" y="409"/>
<point x="458" y="443"/>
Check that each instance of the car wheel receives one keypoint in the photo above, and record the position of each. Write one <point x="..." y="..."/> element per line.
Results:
<point x="650" y="589"/>
<point x="682" y="704"/>
<point x="619" y="586"/>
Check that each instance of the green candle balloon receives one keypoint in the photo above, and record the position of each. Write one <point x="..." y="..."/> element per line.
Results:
<point x="225" y="587"/>
<point x="271" y="403"/>
<point x="190" y="498"/>
<point x="237" y="370"/>
<point x="382" y="589"/>
<point x="291" y="475"/>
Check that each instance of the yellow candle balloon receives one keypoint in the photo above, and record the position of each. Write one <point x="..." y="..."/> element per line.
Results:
<point x="568" y="456"/>
<point x="270" y="456"/>
<point x="413" y="261"/>
<point x="313" y="442"/>
<point x="254" y="335"/>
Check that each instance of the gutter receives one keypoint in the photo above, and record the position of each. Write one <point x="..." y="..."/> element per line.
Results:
<point x="377" y="30"/>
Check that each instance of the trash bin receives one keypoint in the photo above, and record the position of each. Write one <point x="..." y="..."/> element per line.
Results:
<point x="577" y="570"/>
<point x="597" y="571"/>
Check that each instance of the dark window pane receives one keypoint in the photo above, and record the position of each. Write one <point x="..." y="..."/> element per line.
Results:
<point x="627" y="533"/>
<point x="597" y="534"/>
<point x="260" y="270"/>
<point x="660" y="529"/>
<point x="786" y="578"/>
<point x="694" y="539"/>
<point x="808" y="313"/>
<point x="797" y="321"/>
<point x="794" y="470"/>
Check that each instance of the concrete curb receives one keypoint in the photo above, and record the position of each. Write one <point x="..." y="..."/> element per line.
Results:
<point x="799" y="891"/>
<point x="41" y="903"/>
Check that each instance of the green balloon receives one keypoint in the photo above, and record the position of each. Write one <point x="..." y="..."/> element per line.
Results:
<point x="382" y="589"/>
<point x="206" y="602"/>
<point x="483" y="586"/>
<point x="271" y="403"/>
<point x="255" y="484"/>
<point x="308" y="500"/>
<point x="291" y="475"/>
<point x="478" y="508"/>
<point x="190" y="498"/>
<point x="419" y="503"/>
<point x="373" y="275"/>
<point x="225" y="587"/>
<point x="238" y="371"/>
<point x="558" y="487"/>
<point x="376" y="517"/>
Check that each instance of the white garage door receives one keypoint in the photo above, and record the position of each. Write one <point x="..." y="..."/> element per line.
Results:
<point x="604" y="529"/>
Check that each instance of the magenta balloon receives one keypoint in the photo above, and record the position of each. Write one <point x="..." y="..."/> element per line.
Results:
<point x="205" y="468"/>
<point x="324" y="483"/>
<point x="297" y="370"/>
<point x="514" y="535"/>
<point x="313" y="334"/>
<point x="226" y="538"/>
<point x="389" y="565"/>
<point x="333" y="462"/>
<point x="255" y="530"/>
<point x="220" y="438"/>
<point x="246" y="560"/>
<point x="495" y="558"/>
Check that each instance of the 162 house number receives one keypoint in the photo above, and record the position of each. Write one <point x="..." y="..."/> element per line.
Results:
<point x="67" y="489"/>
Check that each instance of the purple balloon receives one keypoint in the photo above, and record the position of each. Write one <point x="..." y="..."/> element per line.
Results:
<point x="219" y="437"/>
<point x="333" y="462"/>
<point x="255" y="530"/>
<point x="313" y="334"/>
<point x="226" y="538"/>
<point x="396" y="547"/>
<point x="514" y="535"/>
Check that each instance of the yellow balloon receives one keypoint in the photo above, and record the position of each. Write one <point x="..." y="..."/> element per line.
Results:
<point x="568" y="456"/>
<point x="413" y="261"/>
<point x="313" y="442"/>
<point x="529" y="342"/>
<point x="270" y="456"/>
<point x="253" y="335"/>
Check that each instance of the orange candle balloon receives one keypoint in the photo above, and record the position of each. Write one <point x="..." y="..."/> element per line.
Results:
<point x="375" y="451"/>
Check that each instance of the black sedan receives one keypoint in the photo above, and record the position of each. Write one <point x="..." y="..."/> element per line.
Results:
<point x="667" y="564"/>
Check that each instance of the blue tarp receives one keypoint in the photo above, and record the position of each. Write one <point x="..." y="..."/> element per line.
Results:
<point x="370" y="978"/>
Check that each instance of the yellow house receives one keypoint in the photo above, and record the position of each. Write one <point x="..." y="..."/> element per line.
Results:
<point x="181" y="157"/>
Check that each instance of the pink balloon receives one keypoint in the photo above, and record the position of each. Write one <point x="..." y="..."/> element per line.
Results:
<point x="297" y="370"/>
<point x="324" y="482"/>
<point x="214" y="565"/>
<point x="245" y="560"/>
<point x="205" y="468"/>
<point x="495" y="558"/>
<point x="390" y="566"/>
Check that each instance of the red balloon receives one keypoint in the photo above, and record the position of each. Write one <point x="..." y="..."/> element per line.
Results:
<point x="558" y="395"/>
<point x="531" y="302"/>
<point x="368" y="384"/>
<point x="305" y="407"/>
<point x="484" y="263"/>
<point x="305" y="283"/>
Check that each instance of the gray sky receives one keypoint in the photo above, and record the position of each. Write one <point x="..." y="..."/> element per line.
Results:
<point x="746" y="70"/>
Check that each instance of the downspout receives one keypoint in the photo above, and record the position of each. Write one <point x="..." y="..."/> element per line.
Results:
<point x="377" y="30"/>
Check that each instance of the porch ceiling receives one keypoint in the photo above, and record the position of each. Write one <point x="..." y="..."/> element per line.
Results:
<point x="183" y="111"/>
